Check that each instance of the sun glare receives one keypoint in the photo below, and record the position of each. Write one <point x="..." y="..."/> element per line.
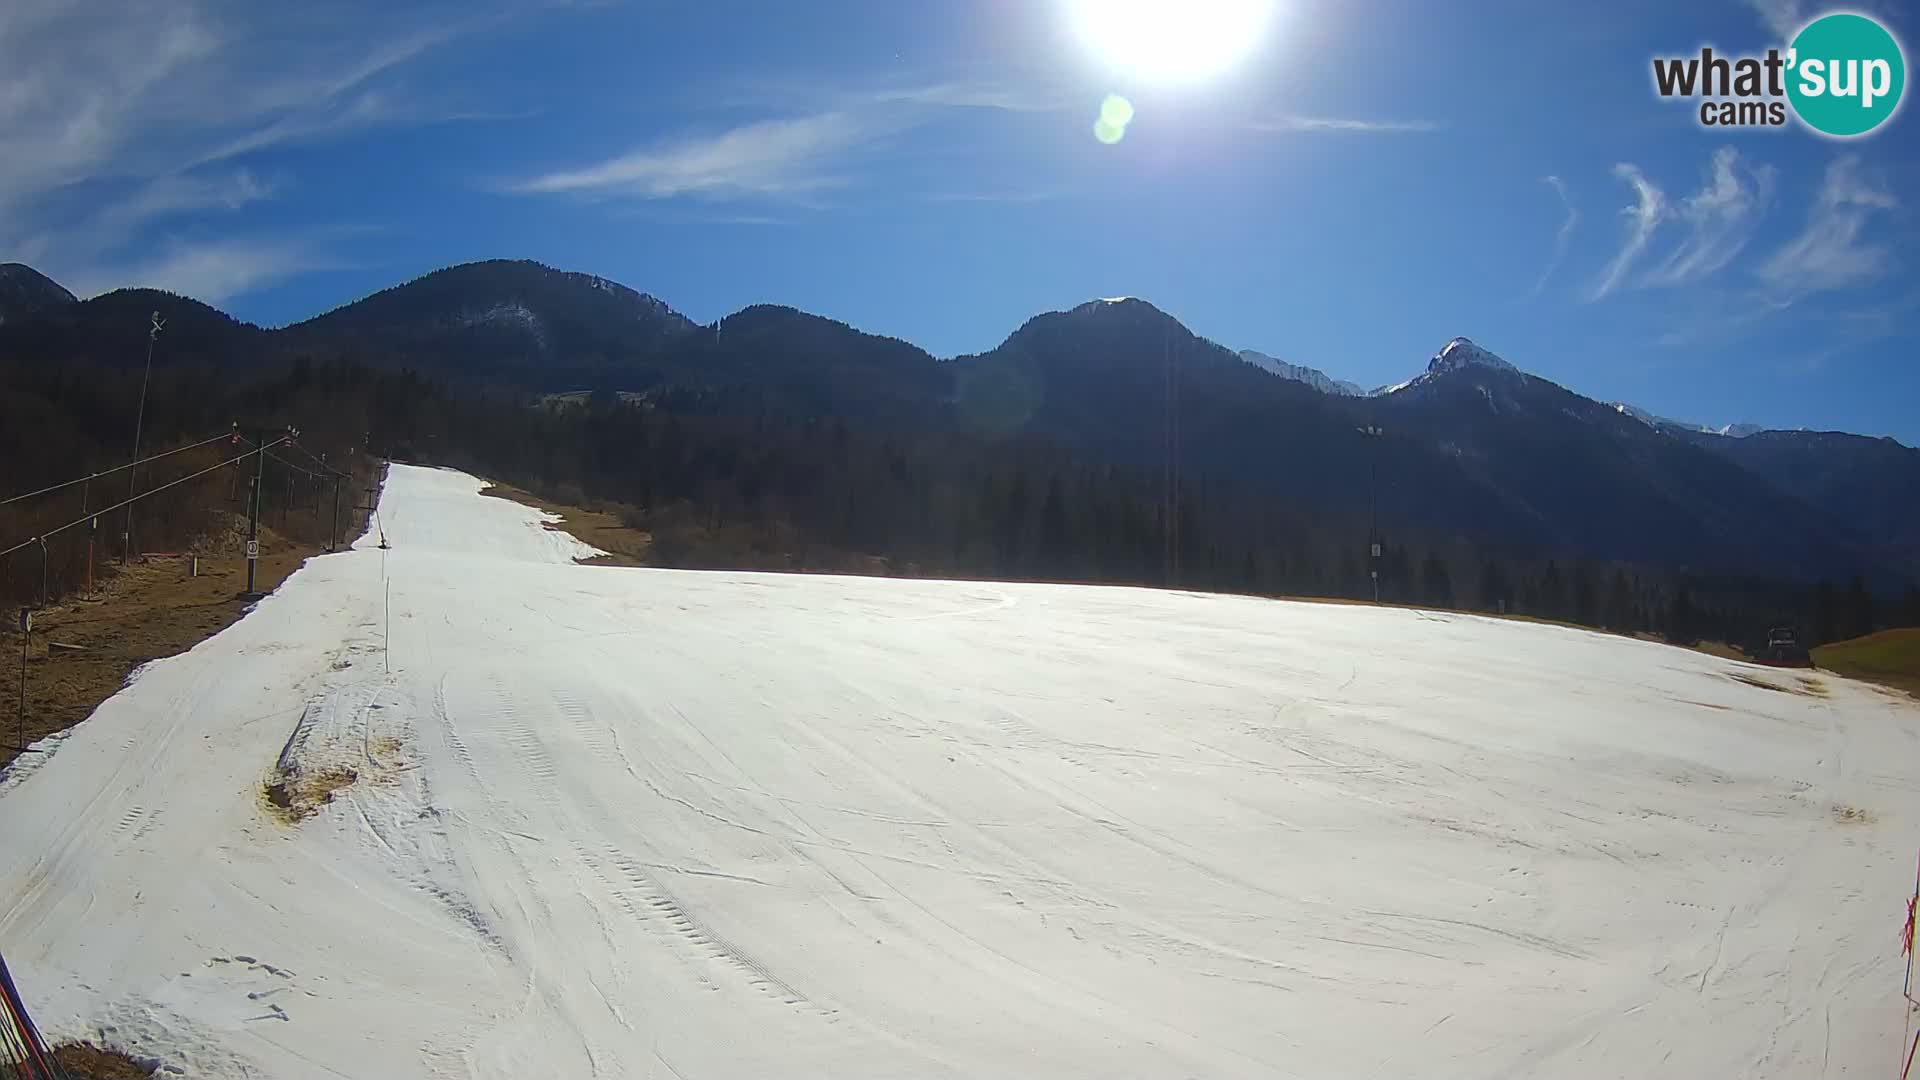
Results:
<point x="1170" y="41"/>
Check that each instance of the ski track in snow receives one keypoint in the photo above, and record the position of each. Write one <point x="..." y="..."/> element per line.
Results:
<point x="615" y="822"/>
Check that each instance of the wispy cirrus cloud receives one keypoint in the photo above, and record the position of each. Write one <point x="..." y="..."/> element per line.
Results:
<point x="1561" y="238"/>
<point x="1840" y="250"/>
<point x="1835" y="249"/>
<point x="771" y="158"/>
<point x="118" y="117"/>
<point x="1716" y="222"/>
<point x="1642" y="218"/>
<point x="1719" y="219"/>
<point x="791" y="157"/>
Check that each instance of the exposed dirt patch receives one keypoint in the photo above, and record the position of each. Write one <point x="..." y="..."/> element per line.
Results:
<point x="625" y="545"/>
<point x="1803" y="685"/>
<point x="85" y="1061"/>
<point x="82" y="651"/>
<point x="1851" y="815"/>
<point x="296" y="797"/>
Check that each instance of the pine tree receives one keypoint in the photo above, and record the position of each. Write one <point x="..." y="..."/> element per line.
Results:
<point x="1682" y="621"/>
<point x="1619" y="609"/>
<point x="1436" y="583"/>
<point x="1553" y="593"/>
<point x="1585" y="607"/>
<point x="1495" y="594"/>
<point x="1823" y="615"/>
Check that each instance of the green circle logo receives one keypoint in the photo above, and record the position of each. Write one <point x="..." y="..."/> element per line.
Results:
<point x="1846" y="73"/>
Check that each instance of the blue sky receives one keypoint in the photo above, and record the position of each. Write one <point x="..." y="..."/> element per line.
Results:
<point x="1369" y="180"/>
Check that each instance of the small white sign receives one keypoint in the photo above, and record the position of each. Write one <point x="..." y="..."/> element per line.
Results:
<point x="1376" y="551"/>
<point x="253" y="549"/>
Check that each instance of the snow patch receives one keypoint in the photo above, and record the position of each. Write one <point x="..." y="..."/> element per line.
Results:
<point x="1734" y="431"/>
<point x="1313" y="377"/>
<point x="732" y="825"/>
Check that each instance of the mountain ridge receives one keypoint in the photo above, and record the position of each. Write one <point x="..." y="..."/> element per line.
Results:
<point x="25" y="292"/>
<point x="1474" y="446"/>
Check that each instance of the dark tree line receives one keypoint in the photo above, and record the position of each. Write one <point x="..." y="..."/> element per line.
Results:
<point x="723" y="478"/>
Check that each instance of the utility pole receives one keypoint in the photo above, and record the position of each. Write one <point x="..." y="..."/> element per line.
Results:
<point x="333" y="523"/>
<point x="139" y="421"/>
<point x="253" y="514"/>
<point x="93" y="526"/>
<point x="1372" y="434"/>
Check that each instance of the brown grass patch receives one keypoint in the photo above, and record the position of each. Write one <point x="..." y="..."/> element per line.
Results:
<point x="1890" y="658"/>
<point x="146" y="612"/>
<point x="85" y="1061"/>
<point x="297" y="797"/>
<point x="624" y="545"/>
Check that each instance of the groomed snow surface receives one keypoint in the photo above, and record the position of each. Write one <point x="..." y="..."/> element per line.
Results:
<point x="615" y="822"/>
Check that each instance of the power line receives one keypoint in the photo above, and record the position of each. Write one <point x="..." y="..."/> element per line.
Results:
<point x="115" y="469"/>
<point x="150" y="491"/>
<point x="326" y="471"/>
<point x="324" y="467"/>
<point x="298" y="469"/>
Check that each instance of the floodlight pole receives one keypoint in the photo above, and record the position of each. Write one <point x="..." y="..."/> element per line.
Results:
<point x="139" y="421"/>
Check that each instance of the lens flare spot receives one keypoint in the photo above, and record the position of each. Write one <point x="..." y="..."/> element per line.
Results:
<point x="1107" y="132"/>
<point x="1117" y="111"/>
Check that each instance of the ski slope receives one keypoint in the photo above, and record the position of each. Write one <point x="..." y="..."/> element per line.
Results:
<point x="642" y="823"/>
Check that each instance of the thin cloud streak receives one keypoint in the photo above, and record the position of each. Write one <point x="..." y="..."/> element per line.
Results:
<point x="1561" y="238"/>
<point x="786" y="158"/>
<point x="772" y="158"/>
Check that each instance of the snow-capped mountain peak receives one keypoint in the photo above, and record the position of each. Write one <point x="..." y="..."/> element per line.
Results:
<point x="1461" y="353"/>
<point x="1299" y="373"/>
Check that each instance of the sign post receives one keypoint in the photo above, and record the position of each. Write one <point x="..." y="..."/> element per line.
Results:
<point x="253" y="514"/>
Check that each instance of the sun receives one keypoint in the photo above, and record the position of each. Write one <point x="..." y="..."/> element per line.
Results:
<point x="1170" y="41"/>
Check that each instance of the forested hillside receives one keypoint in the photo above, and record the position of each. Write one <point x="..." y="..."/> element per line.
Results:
<point x="1108" y="443"/>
